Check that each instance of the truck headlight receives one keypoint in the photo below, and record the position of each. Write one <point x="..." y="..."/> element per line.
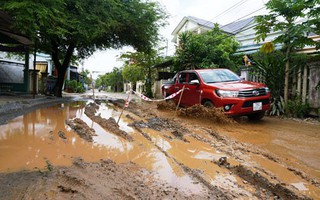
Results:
<point x="227" y="93"/>
<point x="267" y="90"/>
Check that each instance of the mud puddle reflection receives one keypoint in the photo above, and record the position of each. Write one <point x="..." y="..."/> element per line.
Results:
<point x="41" y="138"/>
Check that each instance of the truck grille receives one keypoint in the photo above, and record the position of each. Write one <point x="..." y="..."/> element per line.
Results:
<point x="252" y="93"/>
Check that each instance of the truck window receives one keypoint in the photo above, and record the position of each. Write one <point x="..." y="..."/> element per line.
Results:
<point x="182" y="78"/>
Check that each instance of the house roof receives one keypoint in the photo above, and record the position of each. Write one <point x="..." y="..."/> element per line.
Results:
<point x="237" y="26"/>
<point x="7" y="34"/>
<point x="200" y="22"/>
<point x="231" y="28"/>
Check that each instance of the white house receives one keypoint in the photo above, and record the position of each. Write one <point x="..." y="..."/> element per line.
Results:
<point x="305" y="79"/>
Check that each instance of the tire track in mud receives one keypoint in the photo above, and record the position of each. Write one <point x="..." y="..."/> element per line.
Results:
<point x="278" y="190"/>
<point x="264" y="188"/>
<point x="251" y="149"/>
<point x="215" y="192"/>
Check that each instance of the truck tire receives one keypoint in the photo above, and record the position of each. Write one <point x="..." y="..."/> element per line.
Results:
<point x="208" y="104"/>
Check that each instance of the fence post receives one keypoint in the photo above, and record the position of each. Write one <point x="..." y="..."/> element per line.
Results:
<point x="299" y="82"/>
<point x="304" y="84"/>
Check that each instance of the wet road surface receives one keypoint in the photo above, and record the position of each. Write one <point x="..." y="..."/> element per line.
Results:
<point x="32" y="142"/>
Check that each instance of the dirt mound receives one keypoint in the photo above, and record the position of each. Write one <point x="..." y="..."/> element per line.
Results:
<point x="101" y="180"/>
<point x="202" y="112"/>
<point x="108" y="124"/>
<point x="166" y="105"/>
<point x="82" y="129"/>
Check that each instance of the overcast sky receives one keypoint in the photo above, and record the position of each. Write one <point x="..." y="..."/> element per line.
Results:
<point x="220" y="11"/>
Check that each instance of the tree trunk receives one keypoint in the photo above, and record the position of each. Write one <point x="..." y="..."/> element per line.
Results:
<point x="149" y="84"/>
<point x="61" y="68"/>
<point x="60" y="81"/>
<point x="286" y="77"/>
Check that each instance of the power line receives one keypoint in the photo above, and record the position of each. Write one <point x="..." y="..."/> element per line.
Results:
<point x="231" y="8"/>
<point x="226" y="11"/>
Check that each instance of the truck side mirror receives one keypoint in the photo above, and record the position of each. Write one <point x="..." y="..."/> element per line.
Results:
<point x="195" y="82"/>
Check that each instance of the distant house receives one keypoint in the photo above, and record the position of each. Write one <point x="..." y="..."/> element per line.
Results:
<point x="242" y="30"/>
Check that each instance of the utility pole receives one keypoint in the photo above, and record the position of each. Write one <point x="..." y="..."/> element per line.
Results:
<point x="34" y="70"/>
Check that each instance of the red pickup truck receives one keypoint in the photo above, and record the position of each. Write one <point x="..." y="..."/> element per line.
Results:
<point x="220" y="88"/>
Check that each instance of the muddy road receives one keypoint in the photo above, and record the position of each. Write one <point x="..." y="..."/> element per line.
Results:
<point x="77" y="150"/>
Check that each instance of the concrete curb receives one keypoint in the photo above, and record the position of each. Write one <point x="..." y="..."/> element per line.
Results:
<point x="19" y="107"/>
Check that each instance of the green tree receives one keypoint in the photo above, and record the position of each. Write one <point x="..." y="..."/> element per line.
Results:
<point x="143" y="61"/>
<point x="211" y="49"/>
<point x="113" y="79"/>
<point x="73" y="29"/>
<point x="132" y="73"/>
<point x="86" y="77"/>
<point x="283" y="17"/>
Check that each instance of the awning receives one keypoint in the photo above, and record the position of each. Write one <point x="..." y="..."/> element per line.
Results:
<point x="7" y="34"/>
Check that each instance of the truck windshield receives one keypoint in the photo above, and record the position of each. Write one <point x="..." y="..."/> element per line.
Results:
<point x="218" y="75"/>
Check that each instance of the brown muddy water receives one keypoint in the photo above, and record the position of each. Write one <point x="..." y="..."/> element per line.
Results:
<point x="32" y="142"/>
<point x="35" y="141"/>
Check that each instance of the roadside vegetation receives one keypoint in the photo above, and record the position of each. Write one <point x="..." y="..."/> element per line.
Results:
<point x="70" y="30"/>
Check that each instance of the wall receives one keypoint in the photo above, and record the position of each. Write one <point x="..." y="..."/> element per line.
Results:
<point x="314" y="80"/>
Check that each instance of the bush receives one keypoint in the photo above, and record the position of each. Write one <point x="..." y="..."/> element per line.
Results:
<point x="74" y="86"/>
<point x="296" y="108"/>
<point x="277" y="106"/>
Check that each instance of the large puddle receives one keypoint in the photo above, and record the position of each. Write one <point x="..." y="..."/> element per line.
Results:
<point x="33" y="142"/>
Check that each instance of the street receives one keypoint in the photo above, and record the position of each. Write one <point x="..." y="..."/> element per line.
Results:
<point x="155" y="154"/>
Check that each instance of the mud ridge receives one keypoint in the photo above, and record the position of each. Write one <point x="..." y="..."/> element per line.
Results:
<point x="241" y="146"/>
<point x="89" y="181"/>
<point x="160" y="124"/>
<point x="108" y="124"/>
<point x="82" y="129"/>
<point x="215" y="192"/>
<point x="250" y="149"/>
<point x="256" y="179"/>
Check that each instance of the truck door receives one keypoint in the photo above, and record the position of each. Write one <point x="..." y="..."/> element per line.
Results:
<point x="181" y="81"/>
<point x="192" y="90"/>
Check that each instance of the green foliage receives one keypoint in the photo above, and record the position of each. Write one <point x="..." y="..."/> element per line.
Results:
<point x="133" y="73"/>
<point x="141" y="63"/>
<point x="74" y="86"/>
<point x="296" y="108"/>
<point x="277" y="106"/>
<point x="85" y="75"/>
<point x="113" y="79"/>
<point x="73" y="29"/>
<point x="271" y="67"/>
<point x="294" y="34"/>
<point x="208" y="50"/>
<point x="283" y="18"/>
